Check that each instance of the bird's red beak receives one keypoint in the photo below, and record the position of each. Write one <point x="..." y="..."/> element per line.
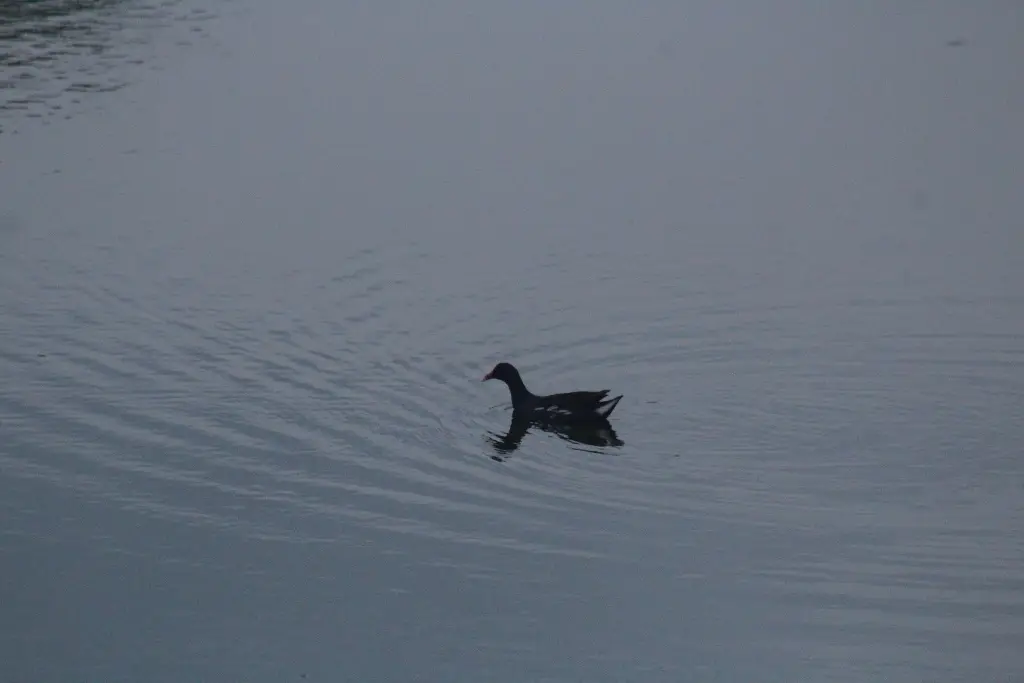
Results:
<point x="487" y="377"/>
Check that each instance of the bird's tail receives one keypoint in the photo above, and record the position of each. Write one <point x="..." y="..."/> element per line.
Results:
<point x="605" y="408"/>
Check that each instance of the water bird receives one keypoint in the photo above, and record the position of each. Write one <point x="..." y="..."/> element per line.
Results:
<point x="573" y="406"/>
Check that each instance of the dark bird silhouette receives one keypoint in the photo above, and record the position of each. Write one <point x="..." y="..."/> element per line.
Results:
<point x="570" y="407"/>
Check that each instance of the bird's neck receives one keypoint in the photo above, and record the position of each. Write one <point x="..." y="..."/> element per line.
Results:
<point x="518" y="389"/>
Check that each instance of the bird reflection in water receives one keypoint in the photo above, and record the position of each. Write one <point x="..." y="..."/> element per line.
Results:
<point x="596" y="435"/>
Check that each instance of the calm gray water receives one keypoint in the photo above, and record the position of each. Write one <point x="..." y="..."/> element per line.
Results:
<point x="255" y="258"/>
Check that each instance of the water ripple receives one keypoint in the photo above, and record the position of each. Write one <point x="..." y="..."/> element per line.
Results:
<point x="253" y="431"/>
<point x="58" y="52"/>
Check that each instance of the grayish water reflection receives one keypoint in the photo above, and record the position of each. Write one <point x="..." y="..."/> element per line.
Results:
<point x="247" y="299"/>
<point x="55" y="54"/>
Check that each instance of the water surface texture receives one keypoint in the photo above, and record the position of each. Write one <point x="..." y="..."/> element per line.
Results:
<point x="55" y="54"/>
<point x="253" y="264"/>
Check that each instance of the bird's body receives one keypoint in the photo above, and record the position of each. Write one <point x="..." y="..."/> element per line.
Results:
<point x="572" y="406"/>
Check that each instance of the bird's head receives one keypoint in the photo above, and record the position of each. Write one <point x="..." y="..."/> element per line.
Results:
<point x="506" y="372"/>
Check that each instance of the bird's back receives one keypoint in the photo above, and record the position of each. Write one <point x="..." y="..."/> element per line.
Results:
<point x="577" y="404"/>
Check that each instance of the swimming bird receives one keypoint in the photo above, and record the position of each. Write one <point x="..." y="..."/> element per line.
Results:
<point x="573" y="406"/>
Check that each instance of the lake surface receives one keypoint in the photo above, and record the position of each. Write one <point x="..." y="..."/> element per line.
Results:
<point x="255" y="258"/>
